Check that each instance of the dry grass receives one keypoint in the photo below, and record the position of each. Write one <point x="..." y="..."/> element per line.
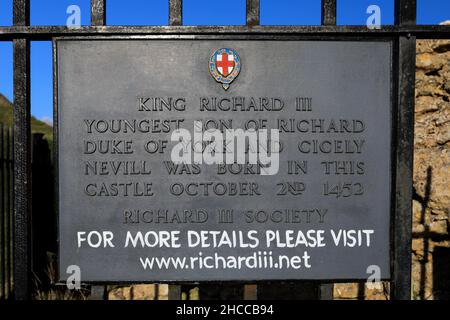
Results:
<point x="47" y="287"/>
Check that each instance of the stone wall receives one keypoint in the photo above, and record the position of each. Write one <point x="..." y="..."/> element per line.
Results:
<point x="431" y="205"/>
<point x="139" y="292"/>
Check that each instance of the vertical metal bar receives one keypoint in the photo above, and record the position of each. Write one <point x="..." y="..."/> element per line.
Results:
<point x="21" y="13"/>
<point x="253" y="16"/>
<point x="326" y="291"/>
<point x="11" y="217"/>
<point x="174" y="292"/>
<point x="98" y="12"/>
<point x="361" y="291"/>
<point x="2" y="214"/>
<point x="98" y="293"/>
<point x="405" y="12"/>
<point x="8" y="234"/>
<point x="250" y="292"/>
<point x="175" y="19"/>
<point x="22" y="167"/>
<point x="329" y="12"/>
<point x="175" y="12"/>
<point x="22" y="154"/>
<point x="252" y="19"/>
<point x="402" y="224"/>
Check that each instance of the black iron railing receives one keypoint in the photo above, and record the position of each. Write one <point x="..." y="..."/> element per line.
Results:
<point x="6" y="213"/>
<point x="403" y="33"/>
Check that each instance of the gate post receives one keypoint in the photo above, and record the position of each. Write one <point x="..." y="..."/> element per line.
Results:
<point x="402" y="224"/>
<point x="328" y="19"/>
<point x="329" y="12"/>
<point x="405" y="57"/>
<point x="98" y="12"/>
<point x="175" y="19"/>
<point x="252" y="13"/>
<point x="98" y="18"/>
<point x="175" y="12"/>
<point x="22" y="155"/>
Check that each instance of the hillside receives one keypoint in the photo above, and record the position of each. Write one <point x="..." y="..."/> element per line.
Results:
<point x="6" y="117"/>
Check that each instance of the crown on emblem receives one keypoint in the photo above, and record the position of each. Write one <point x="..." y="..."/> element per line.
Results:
<point x="224" y="66"/>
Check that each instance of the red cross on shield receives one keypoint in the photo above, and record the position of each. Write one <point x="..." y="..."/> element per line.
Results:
<point x="225" y="63"/>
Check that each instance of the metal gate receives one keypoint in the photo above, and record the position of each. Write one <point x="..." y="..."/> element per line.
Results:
<point x="403" y="34"/>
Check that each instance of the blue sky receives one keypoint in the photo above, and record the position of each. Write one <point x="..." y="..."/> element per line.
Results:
<point x="195" y="12"/>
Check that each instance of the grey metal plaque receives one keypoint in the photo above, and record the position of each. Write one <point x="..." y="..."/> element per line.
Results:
<point x="127" y="213"/>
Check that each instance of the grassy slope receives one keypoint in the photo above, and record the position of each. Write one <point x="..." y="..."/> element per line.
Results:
<point x="6" y="117"/>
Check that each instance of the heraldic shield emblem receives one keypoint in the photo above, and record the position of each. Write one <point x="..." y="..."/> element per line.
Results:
<point x="224" y="66"/>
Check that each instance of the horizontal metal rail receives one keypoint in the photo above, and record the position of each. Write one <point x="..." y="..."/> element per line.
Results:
<point x="48" y="32"/>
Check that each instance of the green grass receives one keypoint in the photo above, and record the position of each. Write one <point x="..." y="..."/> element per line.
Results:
<point x="37" y="126"/>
